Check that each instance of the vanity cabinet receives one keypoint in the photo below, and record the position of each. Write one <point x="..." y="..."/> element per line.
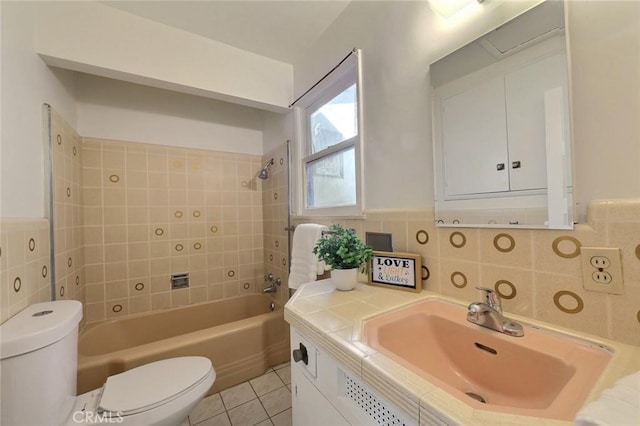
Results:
<point x="493" y="130"/>
<point x="324" y="392"/>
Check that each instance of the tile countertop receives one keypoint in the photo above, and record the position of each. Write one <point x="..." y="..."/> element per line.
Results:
<point x="333" y="320"/>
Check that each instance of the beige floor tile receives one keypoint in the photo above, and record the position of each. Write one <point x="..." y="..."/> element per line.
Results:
<point x="237" y="395"/>
<point x="265" y="423"/>
<point x="285" y="374"/>
<point x="248" y="414"/>
<point x="208" y="407"/>
<point x="266" y="383"/>
<point x="277" y="401"/>
<point x="283" y="419"/>
<point x="219" y="420"/>
<point x="278" y="367"/>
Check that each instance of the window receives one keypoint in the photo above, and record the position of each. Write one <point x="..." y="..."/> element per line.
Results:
<point x="329" y="145"/>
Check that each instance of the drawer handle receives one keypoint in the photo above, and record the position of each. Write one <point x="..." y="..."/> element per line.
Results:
<point x="301" y="354"/>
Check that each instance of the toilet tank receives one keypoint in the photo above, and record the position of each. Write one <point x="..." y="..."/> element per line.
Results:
<point x="38" y="364"/>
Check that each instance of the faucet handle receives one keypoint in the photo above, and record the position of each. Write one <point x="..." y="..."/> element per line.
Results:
<point x="490" y="298"/>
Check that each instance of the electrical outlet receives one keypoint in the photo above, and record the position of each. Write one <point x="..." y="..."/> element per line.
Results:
<point x="602" y="269"/>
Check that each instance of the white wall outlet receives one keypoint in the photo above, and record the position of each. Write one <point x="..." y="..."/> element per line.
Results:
<point x="602" y="269"/>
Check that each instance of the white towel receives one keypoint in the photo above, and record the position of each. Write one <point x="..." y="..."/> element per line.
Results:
<point x="305" y="266"/>
<point x="616" y="406"/>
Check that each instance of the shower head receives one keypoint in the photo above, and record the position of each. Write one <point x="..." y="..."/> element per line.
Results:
<point x="264" y="173"/>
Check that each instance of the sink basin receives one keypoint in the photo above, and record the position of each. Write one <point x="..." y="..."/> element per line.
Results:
<point x="542" y="374"/>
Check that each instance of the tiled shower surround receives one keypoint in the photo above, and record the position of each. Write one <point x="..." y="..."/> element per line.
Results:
<point x="151" y="211"/>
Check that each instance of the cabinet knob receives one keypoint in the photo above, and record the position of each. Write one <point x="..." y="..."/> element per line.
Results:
<point x="515" y="165"/>
<point x="301" y="354"/>
<point x="500" y="166"/>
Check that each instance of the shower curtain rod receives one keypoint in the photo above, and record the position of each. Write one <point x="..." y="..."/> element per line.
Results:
<point x="353" y="51"/>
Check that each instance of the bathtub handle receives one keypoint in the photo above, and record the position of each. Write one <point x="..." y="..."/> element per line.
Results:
<point x="301" y="354"/>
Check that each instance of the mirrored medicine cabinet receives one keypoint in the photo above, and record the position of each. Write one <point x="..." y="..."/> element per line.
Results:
<point x="501" y="127"/>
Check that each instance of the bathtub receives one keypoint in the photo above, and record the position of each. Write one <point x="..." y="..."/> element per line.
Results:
<point x="241" y="336"/>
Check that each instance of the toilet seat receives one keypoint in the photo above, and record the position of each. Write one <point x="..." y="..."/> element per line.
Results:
<point x="152" y="385"/>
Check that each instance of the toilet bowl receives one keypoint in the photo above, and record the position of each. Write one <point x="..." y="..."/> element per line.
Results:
<point x="38" y="356"/>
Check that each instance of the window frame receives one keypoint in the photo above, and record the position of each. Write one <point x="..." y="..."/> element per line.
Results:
<point x="341" y="78"/>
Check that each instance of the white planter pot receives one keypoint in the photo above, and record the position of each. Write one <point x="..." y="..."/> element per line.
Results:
<point x="344" y="279"/>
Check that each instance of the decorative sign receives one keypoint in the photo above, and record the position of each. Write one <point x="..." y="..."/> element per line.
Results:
<point x="397" y="270"/>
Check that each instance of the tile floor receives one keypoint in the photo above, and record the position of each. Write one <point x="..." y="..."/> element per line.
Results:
<point x="263" y="401"/>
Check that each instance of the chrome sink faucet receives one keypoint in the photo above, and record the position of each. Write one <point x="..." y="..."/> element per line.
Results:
<point x="488" y="313"/>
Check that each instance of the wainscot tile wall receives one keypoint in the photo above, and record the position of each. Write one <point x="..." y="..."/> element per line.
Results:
<point x="537" y="272"/>
<point x="24" y="264"/>
<point x="151" y="211"/>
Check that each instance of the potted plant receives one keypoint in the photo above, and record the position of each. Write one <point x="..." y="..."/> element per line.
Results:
<point x="344" y="253"/>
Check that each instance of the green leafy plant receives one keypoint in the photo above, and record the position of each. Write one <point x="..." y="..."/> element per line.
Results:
<point x="341" y="248"/>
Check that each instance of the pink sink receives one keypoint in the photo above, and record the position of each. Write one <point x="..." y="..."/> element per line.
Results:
<point x="540" y="374"/>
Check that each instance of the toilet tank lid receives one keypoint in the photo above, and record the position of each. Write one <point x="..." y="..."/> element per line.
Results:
<point x="38" y="325"/>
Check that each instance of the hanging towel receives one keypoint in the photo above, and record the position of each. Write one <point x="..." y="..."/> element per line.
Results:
<point x="305" y="266"/>
<point x="616" y="406"/>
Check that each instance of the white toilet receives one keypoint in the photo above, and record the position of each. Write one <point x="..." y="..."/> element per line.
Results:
<point x="38" y="363"/>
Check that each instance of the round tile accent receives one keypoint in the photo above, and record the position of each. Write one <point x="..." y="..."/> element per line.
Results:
<point x="62" y="291"/>
<point x="567" y="255"/>
<point x="457" y="239"/>
<point x="179" y="247"/>
<point x="59" y="139"/>
<point x="504" y="243"/>
<point x="425" y="273"/>
<point x="246" y="286"/>
<point x="197" y="246"/>
<point x="75" y="151"/>
<point x="231" y="273"/>
<point x="459" y="280"/>
<point x="275" y="195"/>
<point x="214" y="229"/>
<point x="116" y="308"/>
<point x="277" y="243"/>
<point x="68" y="192"/>
<point x="638" y="316"/>
<point x="456" y="221"/>
<point x="45" y="271"/>
<point x="114" y="178"/>
<point x="32" y="244"/>
<point x="281" y="161"/>
<point x="69" y="262"/>
<point x="271" y="257"/>
<point x="196" y="213"/>
<point x="177" y="164"/>
<point x="17" y="284"/>
<point x="178" y="214"/>
<point x="244" y="184"/>
<point x="284" y="262"/>
<point x="159" y="232"/>
<point x="492" y="222"/>
<point x="638" y="251"/>
<point x="499" y="288"/>
<point x="422" y="237"/>
<point x="77" y="280"/>
<point x="557" y="300"/>
<point x="439" y="221"/>
<point x="139" y="286"/>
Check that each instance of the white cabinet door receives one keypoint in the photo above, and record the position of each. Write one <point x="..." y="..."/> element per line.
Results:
<point x="309" y="406"/>
<point x="525" y="89"/>
<point x="475" y="153"/>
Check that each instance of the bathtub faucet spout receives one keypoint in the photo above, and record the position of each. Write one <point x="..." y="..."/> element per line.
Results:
<point x="273" y="288"/>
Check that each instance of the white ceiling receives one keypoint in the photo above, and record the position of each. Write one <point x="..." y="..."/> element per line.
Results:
<point x="275" y="29"/>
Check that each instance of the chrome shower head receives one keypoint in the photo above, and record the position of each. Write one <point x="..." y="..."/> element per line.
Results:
<point x="264" y="173"/>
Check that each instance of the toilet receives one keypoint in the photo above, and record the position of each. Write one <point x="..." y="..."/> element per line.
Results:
<point x="38" y="366"/>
